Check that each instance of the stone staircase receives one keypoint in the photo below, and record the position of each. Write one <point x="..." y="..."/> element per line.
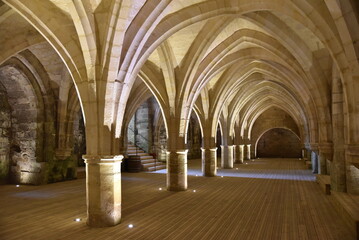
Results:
<point x="148" y="163"/>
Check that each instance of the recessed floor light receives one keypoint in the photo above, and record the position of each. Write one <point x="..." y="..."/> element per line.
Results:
<point x="194" y="190"/>
<point x="77" y="220"/>
<point x="130" y="225"/>
<point x="160" y="189"/>
<point x="17" y="185"/>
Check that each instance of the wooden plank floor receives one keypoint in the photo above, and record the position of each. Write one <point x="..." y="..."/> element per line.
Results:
<point x="264" y="199"/>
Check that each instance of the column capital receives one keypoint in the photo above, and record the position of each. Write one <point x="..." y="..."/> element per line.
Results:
<point x="99" y="159"/>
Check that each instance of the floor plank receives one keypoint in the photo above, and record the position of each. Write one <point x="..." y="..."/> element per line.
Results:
<point x="263" y="199"/>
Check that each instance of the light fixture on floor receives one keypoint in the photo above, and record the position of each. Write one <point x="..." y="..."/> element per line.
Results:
<point x="236" y="168"/>
<point x="194" y="191"/>
<point x="160" y="189"/>
<point x="130" y="225"/>
<point x="17" y="185"/>
<point x="196" y="175"/>
<point x="77" y="219"/>
<point x="222" y="176"/>
<point x="246" y="163"/>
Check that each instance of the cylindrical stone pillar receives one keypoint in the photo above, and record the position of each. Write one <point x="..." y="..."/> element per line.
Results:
<point x="227" y="157"/>
<point x="241" y="153"/>
<point x="177" y="170"/>
<point x="209" y="162"/>
<point x="322" y="163"/>
<point x="238" y="154"/>
<point x="314" y="160"/>
<point x="248" y="153"/>
<point x="103" y="190"/>
<point x="235" y="155"/>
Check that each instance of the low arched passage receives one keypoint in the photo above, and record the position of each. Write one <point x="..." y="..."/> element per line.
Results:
<point x="278" y="143"/>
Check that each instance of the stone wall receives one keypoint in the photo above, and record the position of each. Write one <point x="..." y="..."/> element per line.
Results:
<point x="194" y="139"/>
<point x="79" y="140"/>
<point x="279" y="142"/>
<point x="162" y="149"/>
<point x="270" y="119"/>
<point x="24" y="150"/>
<point x="143" y="123"/>
<point x="5" y="132"/>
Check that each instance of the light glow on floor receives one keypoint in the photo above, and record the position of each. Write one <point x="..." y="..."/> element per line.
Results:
<point x="246" y="171"/>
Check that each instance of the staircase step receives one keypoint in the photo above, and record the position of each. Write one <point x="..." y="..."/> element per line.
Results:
<point x="138" y="153"/>
<point x="158" y="167"/>
<point x="150" y="160"/>
<point x="142" y="157"/>
<point x="148" y="163"/>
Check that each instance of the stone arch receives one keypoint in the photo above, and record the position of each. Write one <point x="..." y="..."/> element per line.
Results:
<point x="286" y="151"/>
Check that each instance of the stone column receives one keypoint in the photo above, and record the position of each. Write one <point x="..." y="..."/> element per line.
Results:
<point x="338" y="170"/>
<point x="241" y="153"/>
<point x="227" y="156"/>
<point x="303" y="154"/>
<point x="248" y="155"/>
<point x="209" y="162"/>
<point x="314" y="162"/>
<point x="177" y="170"/>
<point x="238" y="154"/>
<point x="322" y="163"/>
<point x="235" y="155"/>
<point x="103" y="190"/>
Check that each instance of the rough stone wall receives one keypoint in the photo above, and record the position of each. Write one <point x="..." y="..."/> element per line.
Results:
<point x="162" y="138"/>
<point x="79" y="139"/>
<point x="194" y="139"/>
<point x="5" y="132"/>
<point x="219" y="143"/>
<point x="131" y="131"/>
<point x="143" y="124"/>
<point x="279" y="142"/>
<point x="24" y="121"/>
